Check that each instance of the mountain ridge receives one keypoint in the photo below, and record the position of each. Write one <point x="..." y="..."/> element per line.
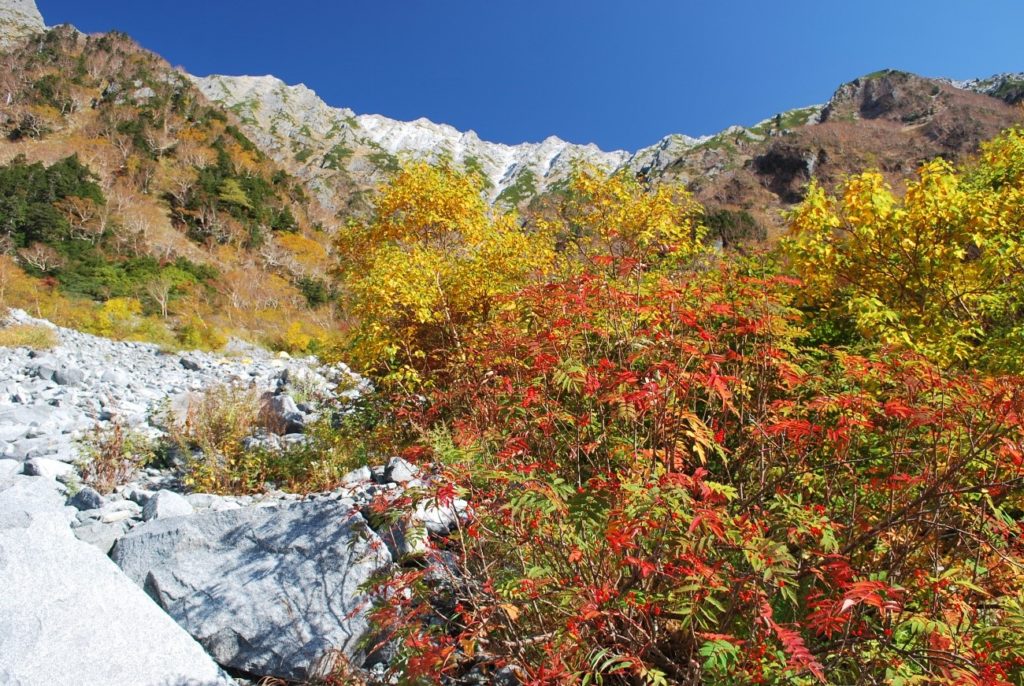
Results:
<point x="293" y="118"/>
<point x="515" y="173"/>
<point x="343" y="156"/>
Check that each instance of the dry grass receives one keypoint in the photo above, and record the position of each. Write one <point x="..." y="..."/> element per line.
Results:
<point x="35" y="336"/>
<point x="211" y="434"/>
<point x="112" y="456"/>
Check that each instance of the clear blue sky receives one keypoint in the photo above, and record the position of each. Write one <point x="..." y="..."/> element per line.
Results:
<point x="619" y="73"/>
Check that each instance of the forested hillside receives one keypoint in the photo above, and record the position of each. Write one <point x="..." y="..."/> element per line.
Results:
<point x="133" y="207"/>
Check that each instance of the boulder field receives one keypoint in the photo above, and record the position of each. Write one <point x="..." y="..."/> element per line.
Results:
<point x="154" y="585"/>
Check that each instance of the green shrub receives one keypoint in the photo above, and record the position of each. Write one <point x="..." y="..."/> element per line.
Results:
<point x="28" y="193"/>
<point x="734" y="227"/>
<point x="112" y="456"/>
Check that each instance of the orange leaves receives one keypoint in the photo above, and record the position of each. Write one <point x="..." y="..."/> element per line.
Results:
<point x="620" y="537"/>
<point x="799" y="655"/>
<point x="876" y="594"/>
<point x="719" y="385"/>
<point x="897" y="410"/>
<point x="661" y="456"/>
<point x="792" y="428"/>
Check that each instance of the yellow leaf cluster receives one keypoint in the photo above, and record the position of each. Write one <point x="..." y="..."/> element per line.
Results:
<point x="940" y="270"/>
<point x="617" y="215"/>
<point x="305" y="250"/>
<point x="430" y="265"/>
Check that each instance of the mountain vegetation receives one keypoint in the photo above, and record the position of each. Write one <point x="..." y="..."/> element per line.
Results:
<point x="694" y="451"/>
<point x="697" y="467"/>
<point x="133" y="207"/>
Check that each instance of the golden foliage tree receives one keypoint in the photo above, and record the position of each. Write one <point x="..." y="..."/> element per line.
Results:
<point x="430" y="264"/>
<point x="940" y="270"/>
<point x="616" y="215"/>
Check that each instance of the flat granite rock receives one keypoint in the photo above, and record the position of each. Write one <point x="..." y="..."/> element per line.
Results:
<point x="271" y="591"/>
<point x="69" y="616"/>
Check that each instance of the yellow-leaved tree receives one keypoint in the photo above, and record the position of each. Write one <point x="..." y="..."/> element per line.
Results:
<point x="428" y="267"/>
<point x="617" y="216"/>
<point x="940" y="270"/>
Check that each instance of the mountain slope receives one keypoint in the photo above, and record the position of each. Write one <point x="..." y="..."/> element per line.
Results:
<point x="342" y="154"/>
<point x="892" y="120"/>
<point x="132" y="206"/>
<point x="889" y="120"/>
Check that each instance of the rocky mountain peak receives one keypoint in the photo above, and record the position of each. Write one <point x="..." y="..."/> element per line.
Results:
<point x="19" y="19"/>
<point x="332" y="146"/>
<point x="1008" y="87"/>
<point x="888" y="94"/>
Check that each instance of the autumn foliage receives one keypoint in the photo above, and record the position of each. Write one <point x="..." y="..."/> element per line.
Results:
<point x="424" y="272"/>
<point x="120" y="182"/>
<point x="940" y="270"/>
<point x="673" y="482"/>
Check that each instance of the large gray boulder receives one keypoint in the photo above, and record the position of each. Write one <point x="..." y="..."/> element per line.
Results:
<point x="283" y="415"/>
<point x="272" y="591"/>
<point x="69" y="616"/>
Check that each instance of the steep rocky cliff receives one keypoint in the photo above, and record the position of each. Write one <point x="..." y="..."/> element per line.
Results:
<point x="342" y="154"/>
<point x="891" y="120"/>
<point x="19" y="19"/>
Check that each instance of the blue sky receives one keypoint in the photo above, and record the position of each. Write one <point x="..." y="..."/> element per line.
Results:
<point x="619" y="73"/>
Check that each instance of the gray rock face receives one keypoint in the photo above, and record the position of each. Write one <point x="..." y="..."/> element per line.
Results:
<point x="68" y="615"/>
<point x="102" y="536"/>
<point x="19" y="19"/>
<point x="69" y="376"/>
<point x="268" y="590"/>
<point x="278" y="116"/>
<point x="166" y="504"/>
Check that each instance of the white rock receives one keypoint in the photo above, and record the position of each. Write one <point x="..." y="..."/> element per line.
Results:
<point x="166" y="504"/>
<point x="19" y="19"/>
<point x="68" y="615"/>
<point x="270" y="591"/>
<point x="119" y="511"/>
<point x="281" y="114"/>
<point x="9" y="468"/>
<point x="48" y="469"/>
<point x="400" y="471"/>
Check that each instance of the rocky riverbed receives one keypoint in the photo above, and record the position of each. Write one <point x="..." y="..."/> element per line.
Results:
<point x="150" y="584"/>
